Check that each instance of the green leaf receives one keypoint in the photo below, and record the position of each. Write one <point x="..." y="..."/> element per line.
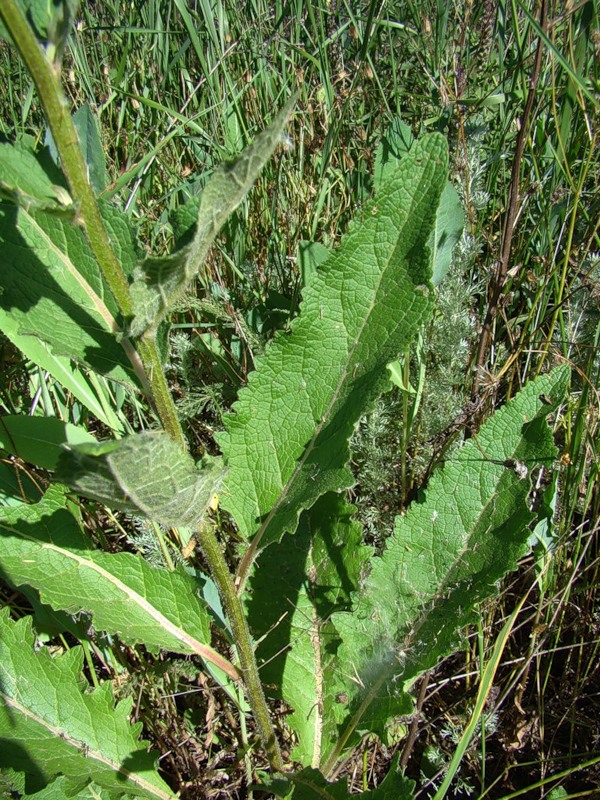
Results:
<point x="395" y="144"/>
<point x="32" y="181"/>
<point x="287" y="442"/>
<point x="70" y="376"/>
<point x="310" y="257"/>
<point x="39" y="440"/>
<point x="298" y="585"/>
<point x="446" y="555"/>
<point x="449" y="223"/>
<point x="310" y="784"/>
<point x="144" y="474"/>
<point x="160" y="282"/>
<point x="60" y="790"/>
<point x="43" y="546"/>
<point x="50" y="726"/>
<point x="52" y="288"/>
<point x="88" y="130"/>
<point x="51" y="23"/>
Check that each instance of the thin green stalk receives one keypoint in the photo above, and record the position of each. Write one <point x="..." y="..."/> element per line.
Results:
<point x="46" y="79"/>
<point x="241" y="635"/>
<point x="485" y="687"/>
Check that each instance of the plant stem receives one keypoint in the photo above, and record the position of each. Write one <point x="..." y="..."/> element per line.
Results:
<point x="47" y="82"/>
<point x="241" y="635"/>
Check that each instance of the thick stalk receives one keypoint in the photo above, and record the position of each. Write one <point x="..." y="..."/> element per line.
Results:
<point x="235" y="613"/>
<point x="56" y="110"/>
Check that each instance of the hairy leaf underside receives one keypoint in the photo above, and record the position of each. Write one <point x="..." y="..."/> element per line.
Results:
<point x="160" y="282"/>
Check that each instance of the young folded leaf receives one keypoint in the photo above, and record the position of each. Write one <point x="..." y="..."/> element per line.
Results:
<point x="144" y="474"/>
<point x="159" y="282"/>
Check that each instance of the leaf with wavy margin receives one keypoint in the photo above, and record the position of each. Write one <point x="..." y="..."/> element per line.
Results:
<point x="42" y="546"/>
<point x="446" y="555"/>
<point x="287" y="442"/>
<point x="50" y="725"/>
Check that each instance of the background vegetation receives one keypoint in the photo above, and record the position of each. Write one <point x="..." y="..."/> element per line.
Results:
<point x="180" y="86"/>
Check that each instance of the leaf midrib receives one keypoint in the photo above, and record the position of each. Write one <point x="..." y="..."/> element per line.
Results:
<point x="178" y="633"/>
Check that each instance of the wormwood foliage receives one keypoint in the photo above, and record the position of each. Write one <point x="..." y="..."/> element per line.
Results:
<point x="340" y="634"/>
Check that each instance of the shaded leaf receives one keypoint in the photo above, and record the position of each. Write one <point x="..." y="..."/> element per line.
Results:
<point x="60" y="790"/>
<point x="88" y="131"/>
<point x="39" y="440"/>
<point x="298" y="585"/>
<point x="32" y="181"/>
<point x="310" y="784"/>
<point x="448" y="229"/>
<point x="52" y="289"/>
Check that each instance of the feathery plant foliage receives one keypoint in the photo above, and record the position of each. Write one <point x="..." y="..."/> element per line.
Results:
<point x="304" y="610"/>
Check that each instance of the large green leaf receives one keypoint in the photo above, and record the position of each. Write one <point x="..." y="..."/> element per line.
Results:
<point x="395" y="143"/>
<point x="42" y="546"/>
<point x="446" y="554"/>
<point x="287" y="442"/>
<point x="50" y="725"/>
<point x="159" y="282"/>
<point x="45" y="326"/>
<point x="52" y="289"/>
<point x="301" y="581"/>
<point x="146" y="473"/>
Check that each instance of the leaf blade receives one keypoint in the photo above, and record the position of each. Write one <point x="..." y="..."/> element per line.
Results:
<point x="446" y="554"/>
<point x="159" y="282"/>
<point x="143" y="473"/>
<point x="43" y="546"/>
<point x="52" y="289"/>
<point x="51" y="727"/>
<point x="287" y="442"/>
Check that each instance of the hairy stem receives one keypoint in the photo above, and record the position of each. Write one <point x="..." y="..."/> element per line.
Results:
<point x="56" y="110"/>
<point x="235" y="613"/>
